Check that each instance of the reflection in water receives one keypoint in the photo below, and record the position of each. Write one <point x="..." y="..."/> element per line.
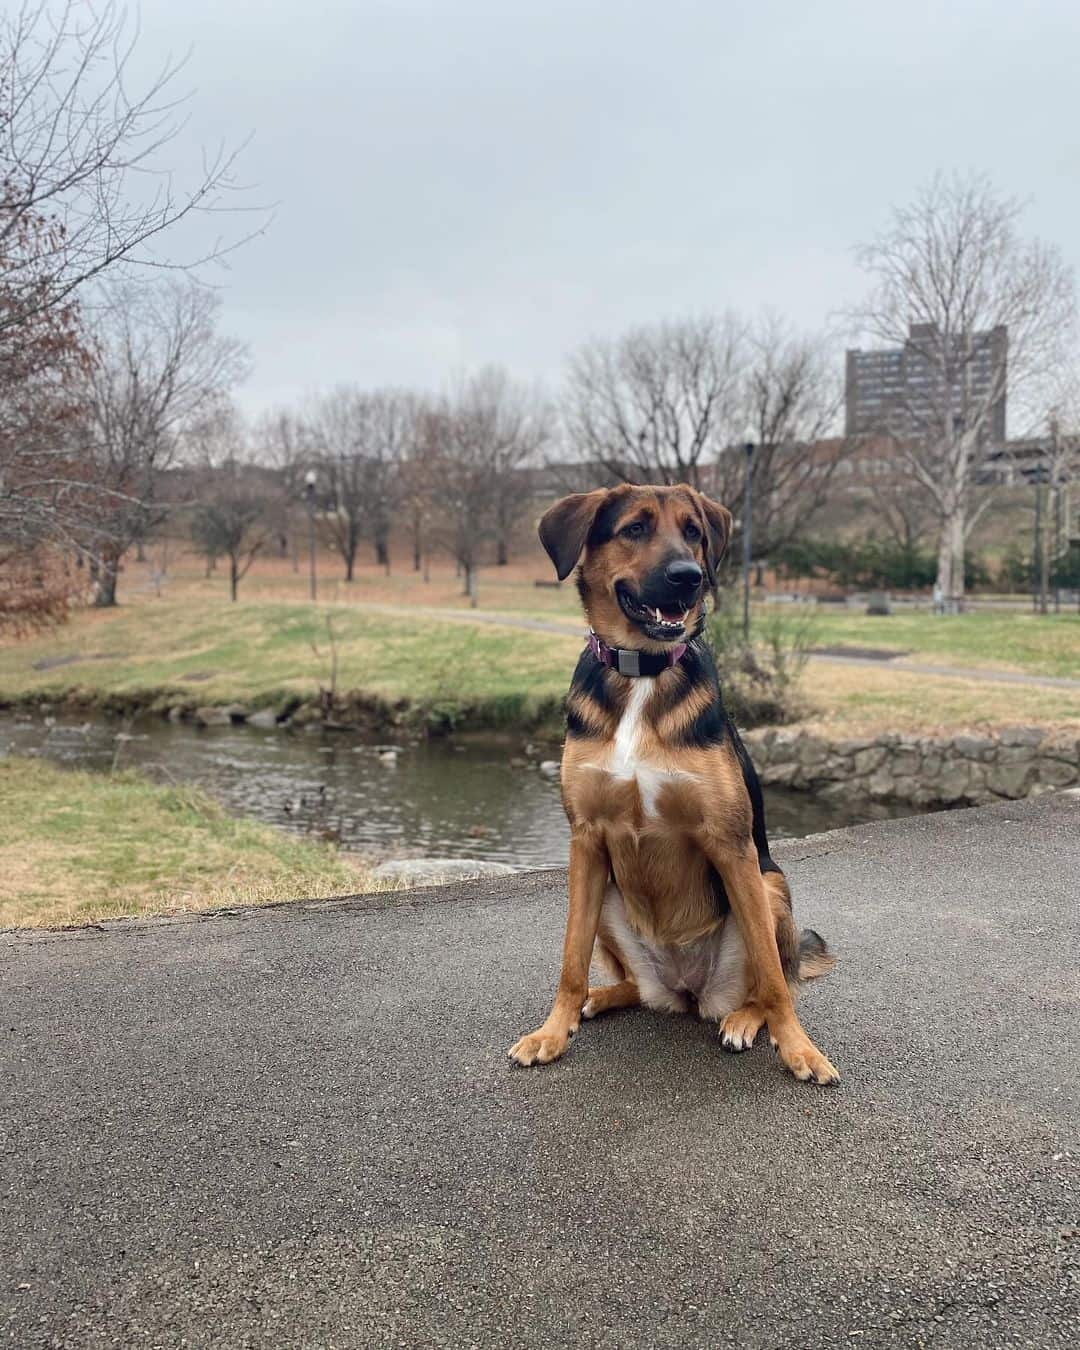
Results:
<point x="430" y="799"/>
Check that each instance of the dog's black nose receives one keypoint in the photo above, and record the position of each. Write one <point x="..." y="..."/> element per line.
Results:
<point x="684" y="574"/>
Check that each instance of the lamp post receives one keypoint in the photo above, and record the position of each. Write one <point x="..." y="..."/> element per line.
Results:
<point x="309" y="498"/>
<point x="747" y="530"/>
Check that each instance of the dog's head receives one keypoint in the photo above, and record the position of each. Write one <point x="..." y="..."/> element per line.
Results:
<point x="650" y="553"/>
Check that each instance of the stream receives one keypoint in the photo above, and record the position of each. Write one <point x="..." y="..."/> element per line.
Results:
<point x="464" y="798"/>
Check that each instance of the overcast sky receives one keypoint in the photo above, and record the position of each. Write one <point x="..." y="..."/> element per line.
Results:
<point x="462" y="183"/>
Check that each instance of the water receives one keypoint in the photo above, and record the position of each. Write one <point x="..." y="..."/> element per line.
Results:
<point x="460" y="799"/>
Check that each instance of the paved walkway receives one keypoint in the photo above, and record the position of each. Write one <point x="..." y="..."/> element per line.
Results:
<point x="574" y="628"/>
<point x="297" y="1126"/>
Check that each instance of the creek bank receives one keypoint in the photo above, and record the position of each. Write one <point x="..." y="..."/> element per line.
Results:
<point x="355" y="711"/>
<point x="963" y="769"/>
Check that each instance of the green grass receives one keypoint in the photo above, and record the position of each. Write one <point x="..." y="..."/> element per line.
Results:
<point x="267" y="654"/>
<point x="1037" y="644"/>
<point x="78" y="847"/>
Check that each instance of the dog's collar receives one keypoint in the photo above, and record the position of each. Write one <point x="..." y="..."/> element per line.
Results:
<point x="629" y="661"/>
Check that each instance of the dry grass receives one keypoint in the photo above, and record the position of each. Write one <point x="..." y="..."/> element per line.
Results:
<point x="76" y="848"/>
<point x="860" y="700"/>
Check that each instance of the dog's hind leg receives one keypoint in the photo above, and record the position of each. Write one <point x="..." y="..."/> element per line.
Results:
<point x="623" y="992"/>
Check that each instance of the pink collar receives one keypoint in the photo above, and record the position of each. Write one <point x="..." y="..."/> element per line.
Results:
<point x="630" y="661"/>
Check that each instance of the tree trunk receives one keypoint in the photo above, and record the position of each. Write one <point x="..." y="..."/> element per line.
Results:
<point x="502" y="553"/>
<point x="140" y="551"/>
<point x="234" y="577"/>
<point x="417" y="544"/>
<point x="950" y="569"/>
<point x="350" y="565"/>
<point x="107" y="569"/>
<point x="382" y="551"/>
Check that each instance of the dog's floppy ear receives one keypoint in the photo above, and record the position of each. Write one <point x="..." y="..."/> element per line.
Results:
<point x="717" y="534"/>
<point x="565" y="526"/>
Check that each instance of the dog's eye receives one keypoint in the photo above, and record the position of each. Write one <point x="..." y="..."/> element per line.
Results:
<point x="691" y="532"/>
<point x="635" y="530"/>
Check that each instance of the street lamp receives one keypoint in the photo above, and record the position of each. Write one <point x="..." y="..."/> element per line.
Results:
<point x="309" y="497"/>
<point x="747" y="530"/>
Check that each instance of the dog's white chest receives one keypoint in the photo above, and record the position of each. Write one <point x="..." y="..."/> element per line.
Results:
<point x="626" y="761"/>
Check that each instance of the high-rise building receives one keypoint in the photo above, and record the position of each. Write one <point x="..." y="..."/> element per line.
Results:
<point x="908" y="391"/>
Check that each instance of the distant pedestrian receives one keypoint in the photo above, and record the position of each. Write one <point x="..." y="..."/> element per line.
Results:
<point x="939" y="599"/>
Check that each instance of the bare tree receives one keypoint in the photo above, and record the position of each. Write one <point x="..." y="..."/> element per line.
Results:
<point x="949" y="271"/>
<point x="282" y="440"/>
<point x="517" y="422"/>
<point x="232" y="521"/>
<point x="479" y="445"/>
<point x="361" y="440"/>
<point x="790" y="397"/>
<point x="392" y="433"/>
<point x="1058" y="470"/>
<point x="81" y="143"/>
<point x="338" y="424"/>
<point x="659" y="403"/>
<point x="158" y="364"/>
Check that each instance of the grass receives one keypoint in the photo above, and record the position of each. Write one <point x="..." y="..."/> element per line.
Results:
<point x="271" y="654"/>
<point x="77" y="848"/>
<point x="193" y="647"/>
<point x="1033" y="643"/>
<point x="862" y="700"/>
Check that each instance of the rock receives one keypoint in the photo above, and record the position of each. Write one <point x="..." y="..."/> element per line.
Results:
<point x="265" y="719"/>
<point x="388" y="757"/>
<point x="852" y="744"/>
<point x="811" y="752"/>
<point x="1056" y="772"/>
<point x="437" y="871"/>
<point x="836" y="767"/>
<point x="176" y="713"/>
<point x="905" y="762"/>
<point x="1010" y="780"/>
<point x="954" y="783"/>
<point x="974" y="747"/>
<point x="212" y="717"/>
<point x="518" y="762"/>
<point x="550" y="768"/>
<point x="866" y="761"/>
<point x="779" y="774"/>
<point x="305" y="715"/>
<point x="881" y="785"/>
<point x="1060" y="745"/>
<point x="1021" y="736"/>
<point x="236" y="712"/>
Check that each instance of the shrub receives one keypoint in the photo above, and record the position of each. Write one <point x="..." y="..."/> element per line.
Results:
<point x="760" y="680"/>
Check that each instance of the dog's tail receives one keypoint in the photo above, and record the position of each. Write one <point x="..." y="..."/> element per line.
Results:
<point x="815" y="959"/>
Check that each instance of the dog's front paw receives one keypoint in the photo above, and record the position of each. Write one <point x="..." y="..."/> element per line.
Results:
<point x="739" y="1028"/>
<point x="539" y="1047"/>
<point x="802" y="1058"/>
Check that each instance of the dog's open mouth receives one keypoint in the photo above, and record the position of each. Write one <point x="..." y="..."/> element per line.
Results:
<point x="661" y="624"/>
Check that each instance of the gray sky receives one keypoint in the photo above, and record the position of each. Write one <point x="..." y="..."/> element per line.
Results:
<point x="460" y="183"/>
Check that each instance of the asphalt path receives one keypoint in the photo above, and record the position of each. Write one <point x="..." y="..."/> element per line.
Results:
<point x="297" y="1126"/>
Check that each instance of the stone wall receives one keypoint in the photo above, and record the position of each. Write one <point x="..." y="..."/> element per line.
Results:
<point x="957" y="770"/>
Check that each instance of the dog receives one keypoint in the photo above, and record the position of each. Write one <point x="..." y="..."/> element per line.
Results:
<point x="671" y="883"/>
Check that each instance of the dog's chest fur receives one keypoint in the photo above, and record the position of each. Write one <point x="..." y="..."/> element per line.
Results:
<point x="631" y="758"/>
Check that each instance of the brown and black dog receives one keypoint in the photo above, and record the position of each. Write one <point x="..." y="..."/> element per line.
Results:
<point x="667" y="827"/>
